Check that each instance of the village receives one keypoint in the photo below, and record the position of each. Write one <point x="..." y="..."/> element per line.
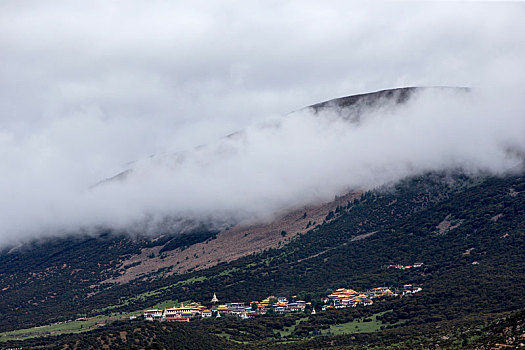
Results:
<point x="341" y="298"/>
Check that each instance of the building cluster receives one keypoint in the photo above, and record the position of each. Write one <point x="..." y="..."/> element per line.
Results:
<point x="184" y="313"/>
<point x="280" y="305"/>
<point x="410" y="289"/>
<point x="341" y="298"/>
<point x="406" y="267"/>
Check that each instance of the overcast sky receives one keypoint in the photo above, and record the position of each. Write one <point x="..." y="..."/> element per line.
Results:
<point x="87" y="87"/>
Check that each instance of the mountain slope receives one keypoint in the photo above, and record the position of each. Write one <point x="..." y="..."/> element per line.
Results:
<point x="468" y="232"/>
<point x="46" y="274"/>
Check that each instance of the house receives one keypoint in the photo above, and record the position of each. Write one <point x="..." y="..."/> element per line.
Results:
<point x="190" y="310"/>
<point x="341" y="303"/>
<point x="222" y="309"/>
<point x="206" y="313"/>
<point x="235" y="305"/>
<point x="410" y="289"/>
<point x="281" y="306"/>
<point x="280" y="309"/>
<point x="379" y="292"/>
<point x="343" y="293"/>
<point x="153" y="315"/>
<point x="299" y="305"/>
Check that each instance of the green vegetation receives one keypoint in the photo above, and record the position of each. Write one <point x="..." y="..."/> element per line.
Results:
<point x="84" y="325"/>
<point x="507" y="331"/>
<point x="228" y="272"/>
<point x="473" y="271"/>
<point x="360" y="325"/>
<point x="137" y="335"/>
<point x="146" y="295"/>
<point x="165" y="305"/>
<point x="288" y="331"/>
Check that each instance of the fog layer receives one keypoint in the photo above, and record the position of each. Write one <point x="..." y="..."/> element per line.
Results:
<point x="91" y="90"/>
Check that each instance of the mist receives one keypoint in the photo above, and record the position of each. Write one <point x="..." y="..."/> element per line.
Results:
<point x="88" y="92"/>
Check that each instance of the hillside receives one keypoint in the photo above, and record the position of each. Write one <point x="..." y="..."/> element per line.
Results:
<point x="227" y="245"/>
<point x="50" y="273"/>
<point x="469" y="232"/>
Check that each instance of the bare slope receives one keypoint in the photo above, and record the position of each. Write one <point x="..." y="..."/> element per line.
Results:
<point x="230" y="244"/>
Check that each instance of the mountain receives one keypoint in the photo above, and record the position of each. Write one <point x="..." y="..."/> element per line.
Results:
<point x="349" y="108"/>
<point x="469" y="233"/>
<point x="467" y="230"/>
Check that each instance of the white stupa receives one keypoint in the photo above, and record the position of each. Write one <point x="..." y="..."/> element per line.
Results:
<point x="214" y="299"/>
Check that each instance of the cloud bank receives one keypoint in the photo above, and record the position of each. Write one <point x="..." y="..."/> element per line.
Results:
<point x="89" y="90"/>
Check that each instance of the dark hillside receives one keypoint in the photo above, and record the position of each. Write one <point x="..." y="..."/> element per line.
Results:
<point x="469" y="265"/>
<point x="468" y="232"/>
<point x="371" y="99"/>
<point x="351" y="108"/>
<point x="138" y="335"/>
<point x="468" y="269"/>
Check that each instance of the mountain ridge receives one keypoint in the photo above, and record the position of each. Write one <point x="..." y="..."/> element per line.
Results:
<point x="466" y="228"/>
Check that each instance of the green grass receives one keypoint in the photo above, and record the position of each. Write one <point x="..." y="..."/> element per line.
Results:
<point x="228" y="272"/>
<point x="77" y="326"/>
<point x="165" y="305"/>
<point x="224" y="335"/>
<point x="86" y="325"/>
<point x="145" y="295"/>
<point x="356" y="326"/>
<point x="61" y="328"/>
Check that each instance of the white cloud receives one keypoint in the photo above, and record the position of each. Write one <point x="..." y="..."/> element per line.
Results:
<point x="88" y="87"/>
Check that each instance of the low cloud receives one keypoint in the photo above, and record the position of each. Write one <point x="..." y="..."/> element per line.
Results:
<point x="88" y="92"/>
